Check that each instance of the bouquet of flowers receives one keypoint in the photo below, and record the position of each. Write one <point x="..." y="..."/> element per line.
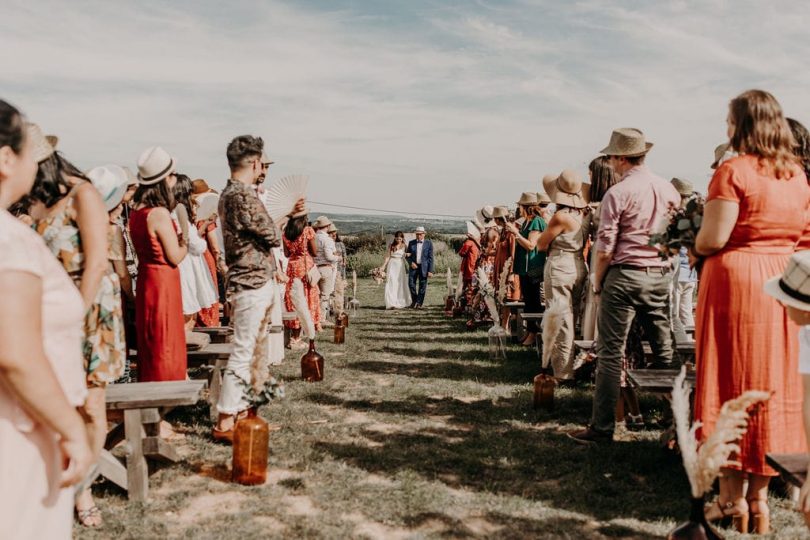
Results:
<point x="378" y="274"/>
<point x="680" y="229"/>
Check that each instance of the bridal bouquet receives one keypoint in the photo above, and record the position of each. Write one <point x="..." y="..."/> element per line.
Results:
<point x="378" y="274"/>
<point x="680" y="229"/>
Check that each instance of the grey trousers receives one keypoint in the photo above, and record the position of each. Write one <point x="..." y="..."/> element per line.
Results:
<point x="625" y="293"/>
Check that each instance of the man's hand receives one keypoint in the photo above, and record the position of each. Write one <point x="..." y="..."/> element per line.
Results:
<point x="300" y="206"/>
<point x="430" y="274"/>
<point x="77" y="458"/>
<point x="413" y="266"/>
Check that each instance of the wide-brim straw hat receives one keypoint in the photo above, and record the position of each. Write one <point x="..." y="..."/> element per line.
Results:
<point x="473" y="230"/>
<point x="112" y="183"/>
<point x="132" y="180"/>
<point x="549" y="184"/>
<point x="792" y="288"/>
<point x="500" y="212"/>
<point x="684" y="187"/>
<point x="331" y="228"/>
<point x="543" y="198"/>
<point x="41" y="149"/>
<point x="419" y="230"/>
<point x="627" y="142"/>
<point x="719" y="152"/>
<point x="154" y="165"/>
<point x="200" y="186"/>
<point x="568" y="190"/>
<point x="527" y="199"/>
<point x="321" y="222"/>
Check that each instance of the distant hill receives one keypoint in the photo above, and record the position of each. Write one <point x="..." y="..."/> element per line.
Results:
<point x="360" y="223"/>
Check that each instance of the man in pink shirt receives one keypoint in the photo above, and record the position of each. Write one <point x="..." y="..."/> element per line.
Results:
<point x="629" y="275"/>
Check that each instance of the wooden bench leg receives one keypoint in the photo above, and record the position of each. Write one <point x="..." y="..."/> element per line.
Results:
<point x="137" y="469"/>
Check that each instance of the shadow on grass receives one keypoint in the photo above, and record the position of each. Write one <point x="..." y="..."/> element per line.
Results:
<point x="491" y="446"/>
<point x="455" y="371"/>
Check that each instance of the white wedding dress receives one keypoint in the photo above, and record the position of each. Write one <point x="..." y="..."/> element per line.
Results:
<point x="397" y="294"/>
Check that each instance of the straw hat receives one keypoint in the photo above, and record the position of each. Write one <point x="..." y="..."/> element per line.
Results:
<point x="719" y="152"/>
<point x="200" y="186"/>
<point x="40" y="147"/>
<point x="331" y="228"/>
<point x="112" y="182"/>
<point x="154" y="165"/>
<point x="684" y="187"/>
<point x="132" y="180"/>
<point x="321" y="222"/>
<point x="419" y="230"/>
<point x="792" y="288"/>
<point x="627" y="142"/>
<point x="543" y="198"/>
<point x="266" y="159"/>
<point x="500" y="212"/>
<point x="528" y="199"/>
<point x="472" y="230"/>
<point x="568" y="190"/>
<point x="549" y="184"/>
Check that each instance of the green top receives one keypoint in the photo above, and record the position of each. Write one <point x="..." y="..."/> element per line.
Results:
<point x="533" y="261"/>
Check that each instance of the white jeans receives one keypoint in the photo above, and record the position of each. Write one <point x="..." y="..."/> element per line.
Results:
<point x="277" y="319"/>
<point x="250" y="318"/>
<point x="682" y="306"/>
<point x="327" y="287"/>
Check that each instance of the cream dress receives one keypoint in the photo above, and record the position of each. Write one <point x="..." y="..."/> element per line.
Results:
<point x="32" y="505"/>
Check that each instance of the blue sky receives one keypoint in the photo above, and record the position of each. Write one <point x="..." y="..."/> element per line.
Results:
<point x="421" y="105"/>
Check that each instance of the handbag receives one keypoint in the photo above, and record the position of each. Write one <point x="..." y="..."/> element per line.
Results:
<point x="313" y="276"/>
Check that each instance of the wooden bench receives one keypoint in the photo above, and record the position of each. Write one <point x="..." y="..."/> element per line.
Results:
<point x="143" y="406"/>
<point x="792" y="467"/>
<point x="218" y="334"/>
<point x="657" y="381"/>
<point x="515" y="308"/>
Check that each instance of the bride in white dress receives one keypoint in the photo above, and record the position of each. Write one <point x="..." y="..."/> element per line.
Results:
<point x="397" y="294"/>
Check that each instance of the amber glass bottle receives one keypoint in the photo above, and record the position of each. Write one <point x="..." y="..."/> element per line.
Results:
<point x="312" y="364"/>
<point x="544" y="391"/>
<point x="340" y="331"/>
<point x="344" y="317"/>
<point x="251" y="443"/>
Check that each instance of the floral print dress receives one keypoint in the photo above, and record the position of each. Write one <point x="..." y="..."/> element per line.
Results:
<point x="300" y="263"/>
<point x="104" y="344"/>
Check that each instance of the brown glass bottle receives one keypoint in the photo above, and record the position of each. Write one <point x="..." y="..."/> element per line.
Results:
<point x="312" y="364"/>
<point x="697" y="528"/>
<point x="340" y="331"/>
<point x="344" y="317"/>
<point x="544" y="385"/>
<point x="251" y="443"/>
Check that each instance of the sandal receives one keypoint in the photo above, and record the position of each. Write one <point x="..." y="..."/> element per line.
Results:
<point x="729" y="513"/>
<point x="761" y="519"/>
<point x="90" y="518"/>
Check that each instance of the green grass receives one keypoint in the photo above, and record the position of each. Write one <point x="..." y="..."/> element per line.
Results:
<point x="415" y="433"/>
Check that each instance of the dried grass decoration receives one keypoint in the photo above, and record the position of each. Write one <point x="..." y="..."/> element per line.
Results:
<point x="703" y="463"/>
<point x="496" y="335"/>
<point x="354" y="303"/>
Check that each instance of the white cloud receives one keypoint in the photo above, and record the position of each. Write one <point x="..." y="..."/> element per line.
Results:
<point x="433" y="109"/>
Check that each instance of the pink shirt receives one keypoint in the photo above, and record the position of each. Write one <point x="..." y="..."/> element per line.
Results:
<point x="629" y="211"/>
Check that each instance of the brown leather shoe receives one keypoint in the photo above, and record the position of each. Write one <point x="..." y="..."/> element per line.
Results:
<point x="590" y="437"/>
<point x="222" y="436"/>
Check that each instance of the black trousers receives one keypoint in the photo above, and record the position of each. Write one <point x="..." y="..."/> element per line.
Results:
<point x="530" y="288"/>
<point x="417" y="297"/>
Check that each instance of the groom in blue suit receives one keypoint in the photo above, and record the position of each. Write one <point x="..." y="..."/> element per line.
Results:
<point x="420" y="266"/>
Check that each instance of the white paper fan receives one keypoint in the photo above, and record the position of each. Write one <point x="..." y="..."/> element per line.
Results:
<point x="282" y="195"/>
<point x="207" y="206"/>
<point x="473" y="231"/>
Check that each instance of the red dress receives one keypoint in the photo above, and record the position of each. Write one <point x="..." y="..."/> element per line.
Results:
<point x="743" y="338"/>
<point x="300" y="263"/>
<point x="158" y="308"/>
<point x="209" y="317"/>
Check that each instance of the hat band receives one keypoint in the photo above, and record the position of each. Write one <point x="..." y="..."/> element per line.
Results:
<point x="160" y="174"/>
<point x="564" y="191"/>
<point x="796" y="295"/>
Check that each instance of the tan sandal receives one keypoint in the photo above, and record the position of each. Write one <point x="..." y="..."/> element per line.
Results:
<point x="729" y="514"/>
<point x="90" y="518"/>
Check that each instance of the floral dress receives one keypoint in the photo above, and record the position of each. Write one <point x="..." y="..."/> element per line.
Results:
<point x="104" y="344"/>
<point x="300" y="262"/>
<point x="479" y="310"/>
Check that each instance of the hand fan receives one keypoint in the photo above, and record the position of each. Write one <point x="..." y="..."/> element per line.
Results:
<point x="473" y="231"/>
<point x="207" y="206"/>
<point x="281" y="197"/>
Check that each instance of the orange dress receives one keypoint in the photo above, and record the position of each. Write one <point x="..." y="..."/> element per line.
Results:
<point x="209" y="317"/>
<point x="744" y="339"/>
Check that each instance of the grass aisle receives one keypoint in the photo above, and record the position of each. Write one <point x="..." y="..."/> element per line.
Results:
<point x="414" y="433"/>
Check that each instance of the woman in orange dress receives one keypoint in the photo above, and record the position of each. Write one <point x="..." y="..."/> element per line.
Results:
<point x="755" y="212"/>
<point x="299" y="247"/>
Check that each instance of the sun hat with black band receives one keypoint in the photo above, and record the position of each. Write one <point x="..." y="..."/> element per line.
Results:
<point x="792" y="288"/>
<point x="154" y="165"/>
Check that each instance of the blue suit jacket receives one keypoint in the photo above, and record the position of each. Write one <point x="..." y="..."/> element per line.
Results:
<point x="427" y="256"/>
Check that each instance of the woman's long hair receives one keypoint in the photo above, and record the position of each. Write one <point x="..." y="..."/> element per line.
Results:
<point x="603" y="177"/>
<point x="182" y="195"/>
<point x="295" y="227"/>
<point x="398" y="234"/>
<point x="760" y="129"/>
<point x="52" y="184"/>
<point x="155" y="196"/>
<point x="531" y="211"/>
<point x="802" y="148"/>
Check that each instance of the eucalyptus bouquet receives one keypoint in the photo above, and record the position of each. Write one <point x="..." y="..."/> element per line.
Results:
<point x="680" y="228"/>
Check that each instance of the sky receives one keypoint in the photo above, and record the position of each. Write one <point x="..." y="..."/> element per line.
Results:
<point x="416" y="106"/>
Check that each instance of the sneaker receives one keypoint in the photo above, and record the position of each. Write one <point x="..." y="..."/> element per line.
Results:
<point x="591" y="437"/>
